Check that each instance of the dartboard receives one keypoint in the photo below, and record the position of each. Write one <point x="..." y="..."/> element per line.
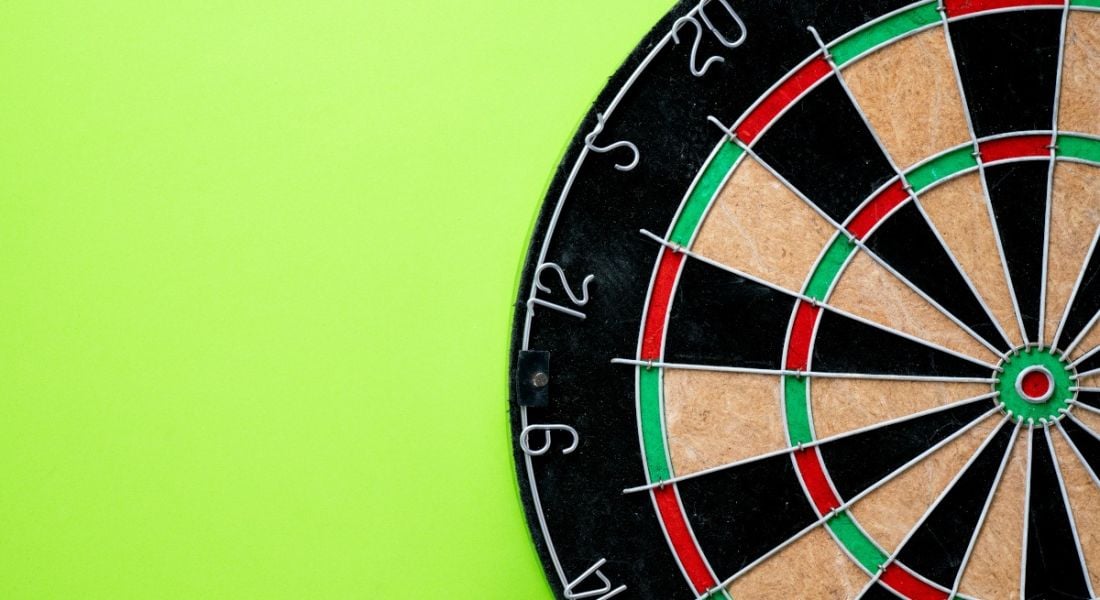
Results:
<point x="811" y="309"/>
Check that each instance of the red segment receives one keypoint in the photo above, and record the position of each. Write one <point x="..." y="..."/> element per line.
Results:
<point x="1035" y="384"/>
<point x="1015" y="147"/>
<point x="957" y="8"/>
<point x="654" y="334"/>
<point x="877" y="209"/>
<point x="798" y="348"/>
<point x="683" y="544"/>
<point x="907" y="585"/>
<point x="782" y="96"/>
<point x="813" y="475"/>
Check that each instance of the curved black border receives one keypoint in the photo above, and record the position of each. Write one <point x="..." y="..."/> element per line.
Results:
<point x="664" y="114"/>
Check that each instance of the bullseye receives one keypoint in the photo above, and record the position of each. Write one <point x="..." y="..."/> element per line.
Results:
<point x="1035" y="384"/>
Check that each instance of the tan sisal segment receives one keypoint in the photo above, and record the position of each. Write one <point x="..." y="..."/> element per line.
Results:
<point x="841" y="405"/>
<point x="888" y="513"/>
<point x="1074" y="216"/>
<point x="1084" y="501"/>
<point x="910" y="96"/>
<point x="1088" y="342"/>
<point x="716" y="418"/>
<point x="867" y="289"/>
<point x="1088" y="419"/>
<point x="759" y="226"/>
<point x="993" y="572"/>
<point x="812" y="567"/>
<point x="959" y="211"/>
<point x="1078" y="109"/>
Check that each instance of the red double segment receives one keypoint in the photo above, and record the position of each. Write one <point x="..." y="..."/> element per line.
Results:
<point x="958" y="8"/>
<point x="653" y="336"/>
<point x="672" y="514"/>
<point x="781" y="97"/>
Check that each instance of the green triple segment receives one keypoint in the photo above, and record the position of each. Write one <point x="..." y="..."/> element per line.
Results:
<point x="828" y="268"/>
<point x="795" y="393"/>
<point x="1078" y="146"/>
<point x="961" y="160"/>
<point x="866" y="552"/>
<point x="796" y="400"/>
<point x="933" y="171"/>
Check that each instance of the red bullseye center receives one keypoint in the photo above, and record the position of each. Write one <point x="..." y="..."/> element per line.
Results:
<point x="1036" y="384"/>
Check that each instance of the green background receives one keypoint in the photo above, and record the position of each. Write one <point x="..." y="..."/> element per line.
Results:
<point x="256" y="268"/>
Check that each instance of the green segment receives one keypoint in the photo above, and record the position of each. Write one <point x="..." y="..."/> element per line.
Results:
<point x="701" y="196"/>
<point x="862" y="548"/>
<point x="829" y="267"/>
<point x="1092" y="3"/>
<point x="649" y="380"/>
<point x="797" y="401"/>
<point x="1022" y="410"/>
<point x="940" y="167"/>
<point x="798" y="418"/>
<point x="649" y="392"/>
<point x="884" y="31"/>
<point x="1075" y="146"/>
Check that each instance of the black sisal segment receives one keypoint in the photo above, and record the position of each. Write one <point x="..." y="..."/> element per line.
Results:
<point x="845" y="345"/>
<point x="1008" y="63"/>
<point x="740" y="514"/>
<point x="1018" y="193"/>
<point x="937" y="547"/>
<point x="824" y="149"/>
<point x="878" y="592"/>
<point x="1053" y="570"/>
<point x="858" y="462"/>
<point x="1090" y="398"/>
<point x="1085" y="304"/>
<point x="719" y="318"/>
<point x="1089" y="364"/>
<point x="907" y="243"/>
<point x="1086" y="444"/>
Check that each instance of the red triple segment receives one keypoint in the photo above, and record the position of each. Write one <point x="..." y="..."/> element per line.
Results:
<point x="909" y="586"/>
<point x="802" y="332"/>
<point x="813" y="475"/>
<point x="877" y="209"/>
<point x="1018" y="146"/>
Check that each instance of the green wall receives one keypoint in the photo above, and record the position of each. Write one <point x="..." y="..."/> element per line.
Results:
<point x="256" y="268"/>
